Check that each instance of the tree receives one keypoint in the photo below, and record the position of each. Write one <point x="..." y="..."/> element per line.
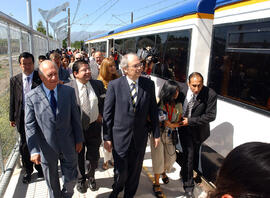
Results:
<point x="40" y="27"/>
<point x="64" y="43"/>
<point x="77" y="44"/>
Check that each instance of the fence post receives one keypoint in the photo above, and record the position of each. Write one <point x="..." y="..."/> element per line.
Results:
<point x="21" y="45"/>
<point x="9" y="51"/>
<point x="1" y="158"/>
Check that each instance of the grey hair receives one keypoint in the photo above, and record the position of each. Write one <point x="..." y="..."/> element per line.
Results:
<point x="40" y="69"/>
<point x="124" y="61"/>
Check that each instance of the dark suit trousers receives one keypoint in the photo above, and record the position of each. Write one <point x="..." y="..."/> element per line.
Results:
<point x="190" y="162"/>
<point x="92" y="138"/>
<point x="127" y="171"/>
<point x="27" y="164"/>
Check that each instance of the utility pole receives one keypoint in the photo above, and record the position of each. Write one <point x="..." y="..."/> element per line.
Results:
<point x="68" y="34"/>
<point x="30" y="23"/>
<point x="131" y="17"/>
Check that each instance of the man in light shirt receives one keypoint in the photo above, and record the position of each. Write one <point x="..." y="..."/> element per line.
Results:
<point x="88" y="94"/>
<point x="95" y="64"/>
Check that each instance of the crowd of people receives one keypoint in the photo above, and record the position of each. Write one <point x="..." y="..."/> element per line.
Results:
<point x="73" y="104"/>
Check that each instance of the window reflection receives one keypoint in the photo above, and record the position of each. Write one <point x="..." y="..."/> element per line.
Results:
<point x="242" y="75"/>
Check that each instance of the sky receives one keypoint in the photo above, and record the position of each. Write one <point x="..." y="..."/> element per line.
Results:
<point x="92" y="15"/>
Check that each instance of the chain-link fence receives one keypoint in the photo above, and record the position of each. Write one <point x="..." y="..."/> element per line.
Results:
<point x="15" y="38"/>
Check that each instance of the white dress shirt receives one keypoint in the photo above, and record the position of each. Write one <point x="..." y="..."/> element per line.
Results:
<point x="92" y="98"/>
<point x="94" y="69"/>
<point x="24" y="80"/>
<point x="187" y="99"/>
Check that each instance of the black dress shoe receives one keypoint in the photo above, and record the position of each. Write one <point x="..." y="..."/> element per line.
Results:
<point x="198" y="179"/>
<point x="40" y="174"/>
<point x="82" y="187"/>
<point x="92" y="184"/>
<point x="26" y="178"/>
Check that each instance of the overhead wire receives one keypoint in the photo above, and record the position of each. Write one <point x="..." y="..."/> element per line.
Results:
<point x="77" y="8"/>
<point x="94" y="12"/>
<point x="104" y="12"/>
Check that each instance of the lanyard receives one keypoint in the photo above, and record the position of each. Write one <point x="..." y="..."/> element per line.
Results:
<point x="169" y="114"/>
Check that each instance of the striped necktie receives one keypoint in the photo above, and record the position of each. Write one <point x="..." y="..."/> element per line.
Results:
<point x="85" y="105"/>
<point x="190" y="106"/>
<point x="133" y="93"/>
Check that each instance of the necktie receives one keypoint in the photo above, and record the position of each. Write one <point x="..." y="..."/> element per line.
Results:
<point x="53" y="102"/>
<point x="133" y="93"/>
<point x="85" y="108"/>
<point x="27" y="86"/>
<point x="190" y="106"/>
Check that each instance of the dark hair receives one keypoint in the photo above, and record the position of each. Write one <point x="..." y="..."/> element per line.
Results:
<point x="168" y="91"/>
<point x="245" y="172"/>
<point x="195" y="74"/>
<point x="42" y="57"/>
<point x="26" y="55"/>
<point x="77" y="65"/>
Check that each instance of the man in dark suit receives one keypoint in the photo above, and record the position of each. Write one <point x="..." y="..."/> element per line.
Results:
<point x="199" y="109"/>
<point x="53" y="130"/>
<point x="129" y="103"/>
<point x="91" y="117"/>
<point x="19" y="86"/>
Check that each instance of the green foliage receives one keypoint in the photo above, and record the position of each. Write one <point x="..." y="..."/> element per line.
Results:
<point x="40" y="27"/>
<point x="64" y="43"/>
<point x="8" y="134"/>
<point x="77" y="44"/>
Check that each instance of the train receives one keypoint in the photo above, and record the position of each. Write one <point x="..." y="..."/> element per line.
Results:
<point x="228" y="42"/>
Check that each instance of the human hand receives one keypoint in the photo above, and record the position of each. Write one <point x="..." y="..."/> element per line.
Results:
<point x="35" y="158"/>
<point x="79" y="147"/>
<point x="12" y="123"/>
<point x="99" y="119"/>
<point x="156" y="142"/>
<point x="108" y="145"/>
<point x="184" y="122"/>
<point x="60" y="82"/>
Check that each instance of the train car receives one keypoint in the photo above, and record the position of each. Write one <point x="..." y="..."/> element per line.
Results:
<point x="225" y="40"/>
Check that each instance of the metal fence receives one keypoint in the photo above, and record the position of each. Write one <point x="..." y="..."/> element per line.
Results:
<point x="15" y="38"/>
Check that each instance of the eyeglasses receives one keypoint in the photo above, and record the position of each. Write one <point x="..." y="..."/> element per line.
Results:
<point x="137" y="65"/>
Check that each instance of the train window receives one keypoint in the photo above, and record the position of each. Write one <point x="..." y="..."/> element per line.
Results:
<point x="249" y="40"/>
<point x="119" y="46"/>
<point x="146" y="41"/>
<point x="242" y="76"/>
<point x="130" y="45"/>
<point x="176" y="54"/>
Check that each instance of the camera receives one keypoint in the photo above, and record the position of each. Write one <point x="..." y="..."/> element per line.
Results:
<point x="162" y="115"/>
<point x="148" y="54"/>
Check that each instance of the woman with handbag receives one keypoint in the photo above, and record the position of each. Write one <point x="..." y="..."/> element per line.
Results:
<point x="170" y="112"/>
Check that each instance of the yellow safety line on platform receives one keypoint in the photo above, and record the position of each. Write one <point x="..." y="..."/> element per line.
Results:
<point x="239" y="4"/>
<point x="151" y="177"/>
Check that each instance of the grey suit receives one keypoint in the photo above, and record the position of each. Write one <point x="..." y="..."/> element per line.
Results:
<point x="54" y="137"/>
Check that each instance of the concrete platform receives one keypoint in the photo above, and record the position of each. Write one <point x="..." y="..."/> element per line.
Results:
<point x="38" y="188"/>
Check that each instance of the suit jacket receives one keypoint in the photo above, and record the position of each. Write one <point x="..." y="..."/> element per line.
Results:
<point x="121" y="123"/>
<point x="49" y="135"/>
<point x="63" y="75"/>
<point x="16" y="98"/>
<point x="99" y="91"/>
<point x="203" y="112"/>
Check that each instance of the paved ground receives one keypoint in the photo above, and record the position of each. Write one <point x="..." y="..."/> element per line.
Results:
<point x="38" y="189"/>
